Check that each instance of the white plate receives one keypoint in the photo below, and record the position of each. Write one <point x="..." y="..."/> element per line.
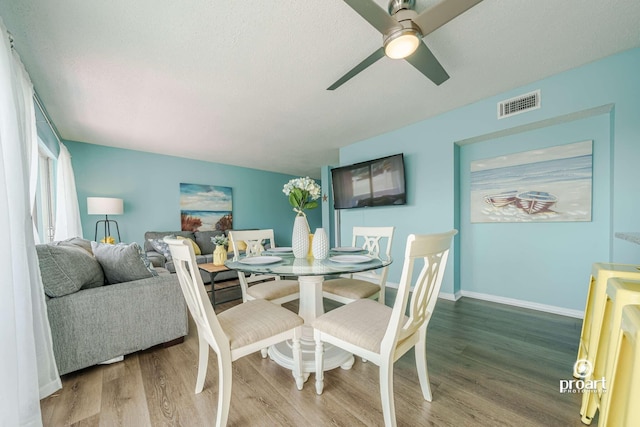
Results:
<point x="258" y="260"/>
<point x="281" y="249"/>
<point x="350" y="259"/>
<point x="347" y="249"/>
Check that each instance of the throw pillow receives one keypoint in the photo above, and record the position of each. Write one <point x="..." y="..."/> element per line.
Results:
<point x="121" y="262"/>
<point x="67" y="269"/>
<point x="77" y="242"/>
<point x="242" y="246"/>
<point x="196" y="248"/>
<point x="161" y="246"/>
<point x="147" y="262"/>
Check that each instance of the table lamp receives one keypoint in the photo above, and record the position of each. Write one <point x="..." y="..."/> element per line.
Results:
<point x="105" y="206"/>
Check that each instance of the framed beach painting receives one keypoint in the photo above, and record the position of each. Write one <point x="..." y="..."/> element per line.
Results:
<point x="205" y="207"/>
<point x="549" y="184"/>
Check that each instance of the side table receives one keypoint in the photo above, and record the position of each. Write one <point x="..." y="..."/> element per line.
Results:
<point x="213" y="270"/>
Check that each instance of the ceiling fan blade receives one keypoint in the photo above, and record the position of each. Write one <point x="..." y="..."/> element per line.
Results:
<point x="355" y="70"/>
<point x="438" y="15"/>
<point x="425" y="62"/>
<point x="373" y="14"/>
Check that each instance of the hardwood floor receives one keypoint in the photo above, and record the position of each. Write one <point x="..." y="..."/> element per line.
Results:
<point x="489" y="365"/>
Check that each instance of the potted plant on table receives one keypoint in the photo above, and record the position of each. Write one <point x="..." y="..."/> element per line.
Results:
<point x="303" y="194"/>
<point x="220" y="253"/>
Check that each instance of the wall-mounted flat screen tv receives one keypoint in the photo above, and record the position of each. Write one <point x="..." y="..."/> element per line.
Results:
<point x="378" y="182"/>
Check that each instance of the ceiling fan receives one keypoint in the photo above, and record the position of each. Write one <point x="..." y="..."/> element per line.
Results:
<point x="402" y="29"/>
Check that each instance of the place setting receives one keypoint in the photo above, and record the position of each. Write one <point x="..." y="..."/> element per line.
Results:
<point x="260" y="260"/>
<point x="283" y="250"/>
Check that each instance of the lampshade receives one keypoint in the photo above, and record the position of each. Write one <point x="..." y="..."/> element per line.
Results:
<point x="402" y="43"/>
<point x="104" y="206"/>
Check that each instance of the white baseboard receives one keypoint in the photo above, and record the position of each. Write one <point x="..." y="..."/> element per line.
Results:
<point x="525" y="304"/>
<point x="578" y="314"/>
<point x="451" y="297"/>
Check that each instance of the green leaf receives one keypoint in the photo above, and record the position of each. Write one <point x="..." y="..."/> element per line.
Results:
<point x="311" y="205"/>
<point x="296" y="198"/>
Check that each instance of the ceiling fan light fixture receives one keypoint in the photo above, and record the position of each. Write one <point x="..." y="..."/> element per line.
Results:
<point x="401" y="43"/>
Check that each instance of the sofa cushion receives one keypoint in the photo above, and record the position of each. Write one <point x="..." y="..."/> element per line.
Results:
<point x="203" y="239"/>
<point x="121" y="262"/>
<point x="67" y="269"/>
<point x="78" y="242"/>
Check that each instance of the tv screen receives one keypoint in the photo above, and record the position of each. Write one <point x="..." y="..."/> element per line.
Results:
<point x="378" y="182"/>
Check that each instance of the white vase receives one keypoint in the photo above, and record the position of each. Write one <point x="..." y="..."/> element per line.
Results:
<point x="320" y="247"/>
<point x="300" y="237"/>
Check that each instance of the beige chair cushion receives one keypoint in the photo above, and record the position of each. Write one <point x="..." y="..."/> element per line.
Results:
<point x="363" y="323"/>
<point x="350" y="288"/>
<point x="255" y="320"/>
<point x="274" y="289"/>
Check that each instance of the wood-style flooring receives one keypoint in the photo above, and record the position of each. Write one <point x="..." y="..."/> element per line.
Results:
<point x="489" y="365"/>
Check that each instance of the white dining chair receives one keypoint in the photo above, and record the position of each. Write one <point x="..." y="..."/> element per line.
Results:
<point x="382" y="334"/>
<point x="369" y="284"/>
<point x="274" y="289"/>
<point x="234" y="333"/>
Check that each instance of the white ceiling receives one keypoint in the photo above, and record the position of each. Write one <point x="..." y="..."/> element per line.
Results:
<point x="243" y="82"/>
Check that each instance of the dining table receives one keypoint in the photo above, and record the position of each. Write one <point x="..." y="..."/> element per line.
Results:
<point x="310" y="273"/>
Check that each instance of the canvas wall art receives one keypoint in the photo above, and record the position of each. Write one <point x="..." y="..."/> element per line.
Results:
<point x="549" y="184"/>
<point x="205" y="207"/>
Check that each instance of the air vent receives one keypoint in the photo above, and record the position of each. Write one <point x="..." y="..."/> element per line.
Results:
<point x="519" y="104"/>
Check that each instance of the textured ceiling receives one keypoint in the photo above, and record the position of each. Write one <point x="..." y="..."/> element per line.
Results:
<point x="243" y="83"/>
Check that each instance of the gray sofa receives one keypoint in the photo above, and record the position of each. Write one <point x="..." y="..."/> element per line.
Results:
<point x="96" y="314"/>
<point x="201" y="238"/>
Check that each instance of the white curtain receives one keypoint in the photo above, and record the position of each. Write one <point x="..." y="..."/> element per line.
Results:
<point x="67" y="210"/>
<point x="27" y="364"/>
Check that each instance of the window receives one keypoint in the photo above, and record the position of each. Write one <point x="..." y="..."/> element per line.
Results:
<point x="44" y="207"/>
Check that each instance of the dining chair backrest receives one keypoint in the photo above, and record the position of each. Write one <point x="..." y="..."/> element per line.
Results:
<point x="196" y="296"/>
<point x="377" y="241"/>
<point x="254" y="239"/>
<point x="433" y="249"/>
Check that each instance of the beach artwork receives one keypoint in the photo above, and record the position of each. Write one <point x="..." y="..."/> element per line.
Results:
<point x="550" y="184"/>
<point x="205" y="207"/>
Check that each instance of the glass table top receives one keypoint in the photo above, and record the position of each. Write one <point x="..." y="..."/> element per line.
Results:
<point x="286" y="265"/>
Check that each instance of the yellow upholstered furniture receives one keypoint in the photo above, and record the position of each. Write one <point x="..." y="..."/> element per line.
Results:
<point x="620" y="406"/>
<point x="600" y="274"/>
<point x="620" y="293"/>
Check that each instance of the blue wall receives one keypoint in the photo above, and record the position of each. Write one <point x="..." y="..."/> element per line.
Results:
<point x="150" y="186"/>
<point x="600" y="102"/>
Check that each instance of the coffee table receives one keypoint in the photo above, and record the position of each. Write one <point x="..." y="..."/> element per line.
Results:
<point x="213" y="270"/>
<point x="310" y="273"/>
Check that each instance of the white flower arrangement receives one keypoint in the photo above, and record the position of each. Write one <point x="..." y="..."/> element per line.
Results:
<point x="220" y="240"/>
<point x="303" y="193"/>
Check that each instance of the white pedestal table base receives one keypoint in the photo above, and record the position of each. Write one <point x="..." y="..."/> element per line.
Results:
<point x="310" y="308"/>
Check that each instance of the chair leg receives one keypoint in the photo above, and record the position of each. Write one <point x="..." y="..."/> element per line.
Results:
<point x="264" y="352"/>
<point x="203" y="361"/>
<point x="319" y="365"/>
<point x="224" y="389"/>
<point x="297" y="361"/>
<point x="386" y="393"/>
<point x="421" y="366"/>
